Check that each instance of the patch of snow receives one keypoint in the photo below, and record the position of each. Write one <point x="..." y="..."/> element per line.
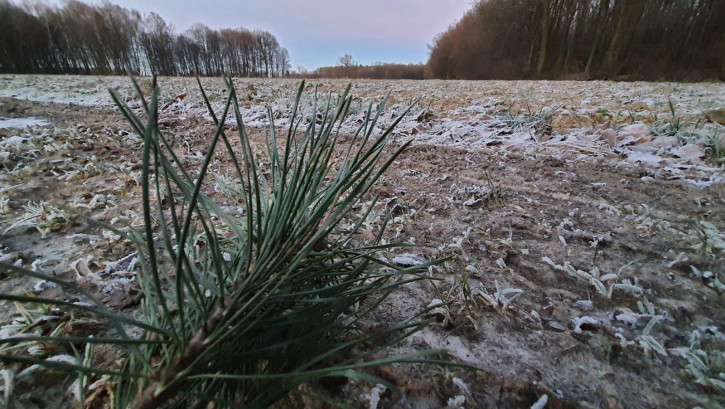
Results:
<point x="407" y="260"/>
<point x="6" y="123"/>
<point x="374" y="397"/>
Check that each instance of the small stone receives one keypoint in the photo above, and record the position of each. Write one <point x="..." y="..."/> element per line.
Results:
<point x="716" y="115"/>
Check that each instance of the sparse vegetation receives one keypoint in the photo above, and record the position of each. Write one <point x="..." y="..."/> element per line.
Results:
<point x="42" y="216"/>
<point x="708" y="367"/>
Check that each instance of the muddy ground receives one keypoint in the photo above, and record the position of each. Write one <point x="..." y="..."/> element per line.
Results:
<point x="579" y="278"/>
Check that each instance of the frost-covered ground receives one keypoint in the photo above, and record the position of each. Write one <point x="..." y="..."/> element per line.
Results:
<point x="586" y="221"/>
<point x="633" y="121"/>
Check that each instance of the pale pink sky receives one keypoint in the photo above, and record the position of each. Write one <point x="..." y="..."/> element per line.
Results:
<point x="317" y="32"/>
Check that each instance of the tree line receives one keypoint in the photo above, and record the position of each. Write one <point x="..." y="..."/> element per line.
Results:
<point x="79" y="38"/>
<point x="348" y="68"/>
<point x="615" y="39"/>
<point x="376" y="71"/>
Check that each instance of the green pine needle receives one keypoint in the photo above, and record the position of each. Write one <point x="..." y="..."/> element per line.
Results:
<point x="284" y="307"/>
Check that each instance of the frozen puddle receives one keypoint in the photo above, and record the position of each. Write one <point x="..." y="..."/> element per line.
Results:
<point x="6" y="123"/>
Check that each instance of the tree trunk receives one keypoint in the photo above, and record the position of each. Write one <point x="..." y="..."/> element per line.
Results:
<point x="603" y="9"/>
<point x="545" y="26"/>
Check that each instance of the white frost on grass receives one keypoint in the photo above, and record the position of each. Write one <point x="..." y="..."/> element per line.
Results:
<point x="456" y="402"/>
<point x="407" y="260"/>
<point x="579" y="321"/>
<point x="63" y="358"/>
<point x="628" y="317"/>
<point x="541" y="403"/>
<point x="584" y="305"/>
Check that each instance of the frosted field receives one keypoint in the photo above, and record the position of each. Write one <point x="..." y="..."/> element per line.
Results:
<point x="590" y="118"/>
<point x="585" y="221"/>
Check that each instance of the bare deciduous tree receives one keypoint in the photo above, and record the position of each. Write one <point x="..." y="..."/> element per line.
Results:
<point x="78" y="38"/>
<point x="637" y="39"/>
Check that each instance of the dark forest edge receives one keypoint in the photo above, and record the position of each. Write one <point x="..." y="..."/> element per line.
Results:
<point x="584" y="39"/>
<point x="78" y="38"/>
